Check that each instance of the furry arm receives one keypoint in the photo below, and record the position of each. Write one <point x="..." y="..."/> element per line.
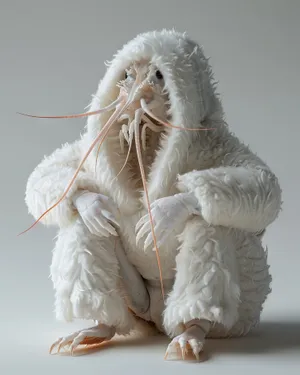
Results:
<point x="49" y="180"/>
<point x="241" y="193"/>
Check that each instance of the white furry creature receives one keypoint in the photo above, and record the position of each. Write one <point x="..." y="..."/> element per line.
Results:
<point x="157" y="195"/>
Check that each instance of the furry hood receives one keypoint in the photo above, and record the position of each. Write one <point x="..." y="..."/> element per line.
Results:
<point x="187" y="74"/>
<point x="189" y="81"/>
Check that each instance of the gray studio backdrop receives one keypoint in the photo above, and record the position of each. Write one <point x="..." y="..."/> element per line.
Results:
<point x="52" y="57"/>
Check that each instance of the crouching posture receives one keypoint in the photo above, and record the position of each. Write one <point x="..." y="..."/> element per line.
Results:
<point x="164" y="195"/>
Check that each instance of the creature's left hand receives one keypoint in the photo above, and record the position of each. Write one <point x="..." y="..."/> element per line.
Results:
<point x="168" y="214"/>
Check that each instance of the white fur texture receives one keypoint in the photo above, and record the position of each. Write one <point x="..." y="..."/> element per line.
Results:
<point x="85" y="272"/>
<point x="221" y="268"/>
<point x="49" y="180"/>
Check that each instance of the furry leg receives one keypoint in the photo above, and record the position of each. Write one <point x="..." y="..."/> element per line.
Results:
<point x="206" y="283"/>
<point x="255" y="280"/>
<point x="85" y="274"/>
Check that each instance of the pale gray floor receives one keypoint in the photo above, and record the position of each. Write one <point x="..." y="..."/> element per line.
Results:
<point x="52" y="55"/>
<point x="275" y="348"/>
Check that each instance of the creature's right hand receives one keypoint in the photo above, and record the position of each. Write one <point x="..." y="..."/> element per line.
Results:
<point x="97" y="211"/>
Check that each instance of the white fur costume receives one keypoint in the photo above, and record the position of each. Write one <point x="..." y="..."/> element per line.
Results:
<point x="216" y="269"/>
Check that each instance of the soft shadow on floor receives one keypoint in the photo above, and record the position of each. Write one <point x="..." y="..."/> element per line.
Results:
<point x="271" y="337"/>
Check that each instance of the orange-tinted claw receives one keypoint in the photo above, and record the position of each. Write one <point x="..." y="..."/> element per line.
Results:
<point x="52" y="347"/>
<point x="59" y="348"/>
<point x="58" y="342"/>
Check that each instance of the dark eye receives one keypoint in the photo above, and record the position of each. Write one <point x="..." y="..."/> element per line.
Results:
<point x="126" y="75"/>
<point x="159" y="75"/>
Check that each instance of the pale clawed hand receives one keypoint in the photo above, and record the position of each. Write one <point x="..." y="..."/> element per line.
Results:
<point x="98" y="212"/>
<point x="168" y="214"/>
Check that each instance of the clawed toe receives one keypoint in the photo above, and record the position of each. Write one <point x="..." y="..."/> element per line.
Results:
<point x="184" y="347"/>
<point x="88" y="337"/>
<point x="71" y="345"/>
<point x="190" y="349"/>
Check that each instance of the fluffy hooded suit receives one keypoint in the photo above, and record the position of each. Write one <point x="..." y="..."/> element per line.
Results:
<point x="214" y="266"/>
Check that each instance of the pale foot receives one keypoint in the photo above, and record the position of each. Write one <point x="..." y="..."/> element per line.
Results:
<point x="88" y="337"/>
<point x="190" y="341"/>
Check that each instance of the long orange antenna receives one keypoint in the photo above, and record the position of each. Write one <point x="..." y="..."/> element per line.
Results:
<point x="140" y="160"/>
<point x="86" y="114"/>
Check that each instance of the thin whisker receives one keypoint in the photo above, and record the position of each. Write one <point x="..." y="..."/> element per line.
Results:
<point x="151" y="114"/>
<point x="86" y="114"/>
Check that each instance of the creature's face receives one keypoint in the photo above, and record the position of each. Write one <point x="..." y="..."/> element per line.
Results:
<point x="148" y="77"/>
<point x="143" y="86"/>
